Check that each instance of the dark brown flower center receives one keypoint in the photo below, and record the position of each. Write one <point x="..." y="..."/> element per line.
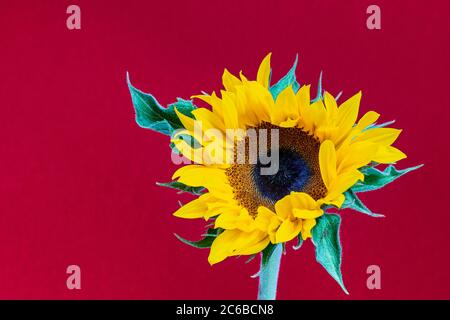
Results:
<point x="298" y="169"/>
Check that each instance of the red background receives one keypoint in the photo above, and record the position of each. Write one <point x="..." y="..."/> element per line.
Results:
<point x="77" y="176"/>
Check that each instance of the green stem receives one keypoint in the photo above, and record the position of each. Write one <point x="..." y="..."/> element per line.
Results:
<point x="268" y="274"/>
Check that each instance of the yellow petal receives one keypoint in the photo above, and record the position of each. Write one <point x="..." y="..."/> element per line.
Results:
<point x="264" y="217"/>
<point x="307" y="226"/>
<point x="208" y="119"/>
<point x="227" y="220"/>
<point x="381" y="136"/>
<point x="286" y="105"/>
<point x="217" y="106"/>
<point x="214" y="179"/>
<point x="303" y="96"/>
<point x="230" y="81"/>
<point x="204" y="97"/>
<point x="195" y="209"/>
<point x="264" y="72"/>
<point x="288" y="230"/>
<point x="327" y="132"/>
<point x="331" y="106"/>
<point x="346" y="117"/>
<point x="283" y="207"/>
<point x="230" y="115"/>
<point x="356" y="156"/>
<point x="334" y="200"/>
<point x="245" y="222"/>
<point x="255" y="247"/>
<point x="388" y="154"/>
<point x="213" y="101"/>
<point x="302" y="200"/>
<point x="343" y="182"/>
<point x="327" y="162"/>
<point x="303" y="101"/>
<point x="268" y="221"/>
<point x="367" y="119"/>
<point x="221" y="247"/>
<point x="186" y="121"/>
<point x="289" y="123"/>
<point x="236" y="242"/>
<point x="272" y="231"/>
<point x="307" y="214"/>
<point x="259" y="99"/>
<point x="235" y="219"/>
<point x="348" y="111"/>
<point x="245" y="111"/>
<point x="243" y="78"/>
<point x="318" y="114"/>
<point x="218" y="206"/>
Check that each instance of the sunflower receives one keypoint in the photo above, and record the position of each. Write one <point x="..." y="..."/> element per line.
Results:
<point x="321" y="148"/>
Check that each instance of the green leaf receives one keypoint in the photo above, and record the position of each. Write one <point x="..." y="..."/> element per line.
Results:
<point x="268" y="273"/>
<point x="319" y="89"/>
<point x="190" y="141"/>
<point x="253" y="256"/>
<point x="151" y="115"/>
<point x="375" y="179"/>
<point x="267" y="252"/>
<point x="181" y="187"/>
<point x="299" y="242"/>
<point x="204" y="243"/>
<point x="325" y="237"/>
<point x="288" y="80"/>
<point x="353" y="202"/>
<point x="380" y="125"/>
<point x="183" y="106"/>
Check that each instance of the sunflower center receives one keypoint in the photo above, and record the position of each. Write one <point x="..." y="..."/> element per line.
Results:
<point x="298" y="170"/>
<point x="293" y="175"/>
